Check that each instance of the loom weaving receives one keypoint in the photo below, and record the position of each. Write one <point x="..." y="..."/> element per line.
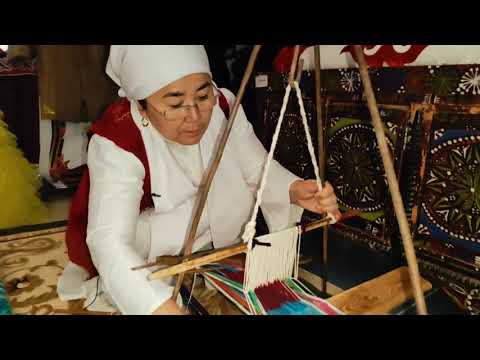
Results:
<point x="268" y="283"/>
<point x="390" y="132"/>
<point x="290" y="297"/>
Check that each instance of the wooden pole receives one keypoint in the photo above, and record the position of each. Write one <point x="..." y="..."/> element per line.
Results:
<point x="293" y="66"/>
<point x="299" y="71"/>
<point x="205" y="186"/>
<point x="321" y="157"/>
<point x="204" y="260"/>
<point x="392" y="183"/>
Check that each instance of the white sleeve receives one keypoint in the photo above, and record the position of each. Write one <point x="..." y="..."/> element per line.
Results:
<point x="279" y="213"/>
<point x="116" y="188"/>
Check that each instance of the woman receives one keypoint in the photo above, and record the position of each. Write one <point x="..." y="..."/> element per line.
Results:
<point x="146" y="159"/>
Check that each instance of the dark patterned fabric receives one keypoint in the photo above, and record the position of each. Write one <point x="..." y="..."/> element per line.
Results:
<point x="19" y="102"/>
<point x="448" y="205"/>
<point x="449" y="84"/>
<point x="291" y="150"/>
<point x="433" y="127"/>
<point x="355" y="167"/>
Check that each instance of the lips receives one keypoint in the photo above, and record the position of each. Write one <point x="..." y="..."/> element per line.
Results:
<point x="193" y="133"/>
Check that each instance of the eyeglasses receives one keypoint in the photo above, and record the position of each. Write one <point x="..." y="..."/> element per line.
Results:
<point x="203" y="104"/>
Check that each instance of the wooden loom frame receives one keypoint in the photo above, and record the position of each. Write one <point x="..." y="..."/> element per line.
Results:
<point x="376" y="296"/>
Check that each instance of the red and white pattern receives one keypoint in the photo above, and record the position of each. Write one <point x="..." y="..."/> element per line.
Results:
<point x="342" y="56"/>
<point x="9" y="70"/>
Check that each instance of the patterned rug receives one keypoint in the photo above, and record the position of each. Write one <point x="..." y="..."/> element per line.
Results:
<point x="29" y="231"/>
<point x="30" y="264"/>
<point x="29" y="269"/>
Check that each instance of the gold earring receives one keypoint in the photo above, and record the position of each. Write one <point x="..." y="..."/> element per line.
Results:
<point x="145" y="122"/>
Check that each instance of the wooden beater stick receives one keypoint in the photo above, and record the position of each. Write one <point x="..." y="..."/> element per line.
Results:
<point x="218" y="255"/>
<point x="321" y="158"/>
<point x="205" y="186"/>
<point x="180" y="264"/>
<point x="392" y="184"/>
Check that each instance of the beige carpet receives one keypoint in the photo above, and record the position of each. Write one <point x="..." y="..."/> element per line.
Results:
<point x="30" y="267"/>
<point x="30" y="264"/>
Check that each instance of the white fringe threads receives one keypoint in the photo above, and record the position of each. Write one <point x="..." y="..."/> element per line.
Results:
<point x="266" y="264"/>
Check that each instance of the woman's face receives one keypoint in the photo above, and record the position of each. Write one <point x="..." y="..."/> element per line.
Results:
<point x="182" y="110"/>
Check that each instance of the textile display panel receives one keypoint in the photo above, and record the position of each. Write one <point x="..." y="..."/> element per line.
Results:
<point x="440" y="190"/>
<point x="291" y="151"/>
<point x="446" y="219"/>
<point x="355" y="168"/>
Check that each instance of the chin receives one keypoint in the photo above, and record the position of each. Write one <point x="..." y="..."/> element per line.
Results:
<point x="190" y="139"/>
<point x="189" y="142"/>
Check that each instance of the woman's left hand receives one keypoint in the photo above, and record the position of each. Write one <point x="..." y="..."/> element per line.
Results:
<point x="305" y="194"/>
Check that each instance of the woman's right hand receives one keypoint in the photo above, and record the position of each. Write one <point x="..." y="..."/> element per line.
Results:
<point x="169" y="307"/>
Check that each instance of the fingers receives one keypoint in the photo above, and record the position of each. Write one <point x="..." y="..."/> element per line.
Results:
<point x="310" y="186"/>
<point x="330" y="209"/>
<point x="329" y="204"/>
<point x="326" y="201"/>
<point x="327" y="191"/>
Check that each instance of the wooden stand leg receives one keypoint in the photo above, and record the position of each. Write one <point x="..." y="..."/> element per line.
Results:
<point x="392" y="183"/>
<point x="321" y="157"/>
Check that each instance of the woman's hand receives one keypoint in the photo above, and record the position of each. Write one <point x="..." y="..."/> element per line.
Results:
<point x="169" y="307"/>
<point x="305" y="194"/>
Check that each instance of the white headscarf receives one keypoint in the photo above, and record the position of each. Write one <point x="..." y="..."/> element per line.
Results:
<point x="142" y="70"/>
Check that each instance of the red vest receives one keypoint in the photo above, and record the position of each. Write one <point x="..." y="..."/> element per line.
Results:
<point x="116" y="125"/>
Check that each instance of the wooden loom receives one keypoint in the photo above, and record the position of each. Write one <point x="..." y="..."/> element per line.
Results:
<point x="377" y="296"/>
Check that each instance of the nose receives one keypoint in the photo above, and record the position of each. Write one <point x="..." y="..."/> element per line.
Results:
<point x="193" y="113"/>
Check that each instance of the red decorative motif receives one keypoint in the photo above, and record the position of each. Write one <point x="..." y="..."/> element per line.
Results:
<point x="387" y="54"/>
<point x="284" y="58"/>
<point x="7" y="69"/>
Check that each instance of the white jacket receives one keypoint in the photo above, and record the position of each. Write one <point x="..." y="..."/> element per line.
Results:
<point x="120" y="238"/>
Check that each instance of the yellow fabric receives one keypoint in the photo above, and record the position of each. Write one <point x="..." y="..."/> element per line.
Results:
<point x="19" y="184"/>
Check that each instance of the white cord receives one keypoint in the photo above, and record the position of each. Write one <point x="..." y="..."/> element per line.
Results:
<point x="249" y="232"/>
<point x="250" y="227"/>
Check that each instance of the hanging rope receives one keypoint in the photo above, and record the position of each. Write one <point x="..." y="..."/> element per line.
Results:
<point x="333" y="220"/>
<point x="250" y="228"/>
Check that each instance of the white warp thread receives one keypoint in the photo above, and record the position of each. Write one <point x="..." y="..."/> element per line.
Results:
<point x="266" y="264"/>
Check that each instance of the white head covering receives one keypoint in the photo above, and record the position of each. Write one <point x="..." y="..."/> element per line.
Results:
<point x="142" y="70"/>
